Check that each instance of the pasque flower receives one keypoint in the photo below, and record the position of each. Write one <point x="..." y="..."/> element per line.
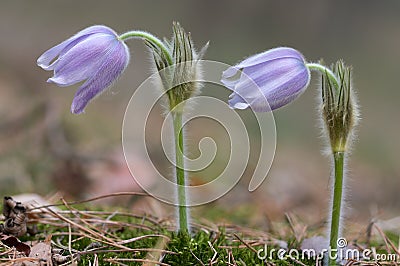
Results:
<point x="95" y="55"/>
<point x="277" y="76"/>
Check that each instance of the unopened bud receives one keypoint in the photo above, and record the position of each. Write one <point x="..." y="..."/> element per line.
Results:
<point x="181" y="79"/>
<point x="339" y="107"/>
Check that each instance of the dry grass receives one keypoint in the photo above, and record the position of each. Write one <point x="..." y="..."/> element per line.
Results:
<point x="96" y="237"/>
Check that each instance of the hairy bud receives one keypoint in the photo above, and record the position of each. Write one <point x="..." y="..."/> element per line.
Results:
<point x="339" y="107"/>
<point x="179" y="79"/>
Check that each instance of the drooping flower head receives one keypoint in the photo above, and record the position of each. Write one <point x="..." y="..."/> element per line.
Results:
<point x="277" y="76"/>
<point x="95" y="55"/>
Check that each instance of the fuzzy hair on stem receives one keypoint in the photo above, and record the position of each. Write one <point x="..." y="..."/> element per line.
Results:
<point x="339" y="116"/>
<point x="179" y="79"/>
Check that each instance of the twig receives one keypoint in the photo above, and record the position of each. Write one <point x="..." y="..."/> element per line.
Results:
<point x="242" y="262"/>
<point x="99" y="250"/>
<point x="69" y="240"/>
<point x="297" y="235"/>
<point x="230" y="255"/>
<point x="295" y="260"/>
<point x="387" y="241"/>
<point x="127" y="241"/>
<point x="84" y="229"/>
<point x="93" y="199"/>
<point x="20" y="259"/>
<point x="49" y="220"/>
<point x="247" y="245"/>
<point x="73" y="211"/>
<point x="146" y="217"/>
<point x="197" y="258"/>
<point x="108" y="219"/>
<point x="96" y="260"/>
<point x="214" y="258"/>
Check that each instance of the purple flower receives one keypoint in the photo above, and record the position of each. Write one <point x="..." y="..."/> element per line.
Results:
<point x="95" y="55"/>
<point x="277" y="76"/>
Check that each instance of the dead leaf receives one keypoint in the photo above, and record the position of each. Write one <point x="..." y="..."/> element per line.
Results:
<point x="42" y="252"/>
<point x="12" y="241"/>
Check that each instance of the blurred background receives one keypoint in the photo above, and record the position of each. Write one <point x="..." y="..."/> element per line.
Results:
<point x="44" y="149"/>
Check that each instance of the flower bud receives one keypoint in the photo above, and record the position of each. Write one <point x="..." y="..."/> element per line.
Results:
<point x="179" y="80"/>
<point x="339" y="107"/>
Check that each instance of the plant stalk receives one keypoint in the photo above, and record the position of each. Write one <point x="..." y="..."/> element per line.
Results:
<point x="325" y="71"/>
<point x="337" y="200"/>
<point x="137" y="34"/>
<point x="180" y="172"/>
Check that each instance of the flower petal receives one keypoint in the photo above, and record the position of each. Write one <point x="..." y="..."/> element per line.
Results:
<point x="276" y="53"/>
<point x="83" y="60"/>
<point x="229" y="79"/>
<point x="268" y="76"/>
<point x="289" y="91"/>
<point x="230" y="72"/>
<point x="45" y="60"/>
<point x="230" y="83"/>
<point x="113" y="65"/>
<point x="260" y="105"/>
<point x="237" y="102"/>
<point x="253" y="98"/>
<point x="268" y="80"/>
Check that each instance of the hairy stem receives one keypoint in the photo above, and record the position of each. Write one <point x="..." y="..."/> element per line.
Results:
<point x="180" y="172"/>
<point x="337" y="200"/>
<point x="324" y="70"/>
<point x="137" y="34"/>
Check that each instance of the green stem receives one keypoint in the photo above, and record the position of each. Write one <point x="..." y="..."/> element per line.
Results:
<point x="337" y="200"/>
<point x="324" y="70"/>
<point x="180" y="172"/>
<point x="137" y="34"/>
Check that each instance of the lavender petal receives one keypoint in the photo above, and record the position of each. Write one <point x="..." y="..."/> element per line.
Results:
<point x="277" y="53"/>
<point x="113" y="65"/>
<point x="45" y="60"/>
<point x="83" y="60"/>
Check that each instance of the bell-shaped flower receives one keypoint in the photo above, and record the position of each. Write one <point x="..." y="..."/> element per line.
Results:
<point x="268" y="80"/>
<point x="95" y="55"/>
